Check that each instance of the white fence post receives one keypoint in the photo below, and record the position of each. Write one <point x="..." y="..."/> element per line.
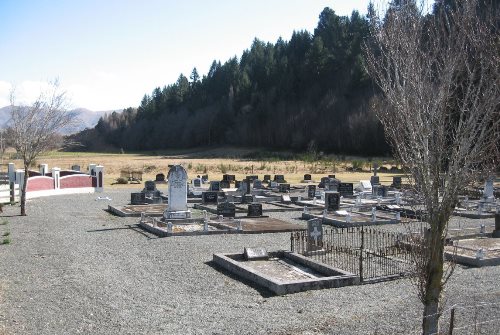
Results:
<point x="99" y="173"/>
<point x="56" y="175"/>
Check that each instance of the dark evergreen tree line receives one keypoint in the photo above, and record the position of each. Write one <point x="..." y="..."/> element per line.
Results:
<point x="310" y="91"/>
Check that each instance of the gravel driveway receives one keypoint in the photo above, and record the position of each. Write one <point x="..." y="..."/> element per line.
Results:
<point x="73" y="268"/>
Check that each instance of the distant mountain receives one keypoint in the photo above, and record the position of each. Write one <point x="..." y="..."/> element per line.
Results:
<point x="86" y="118"/>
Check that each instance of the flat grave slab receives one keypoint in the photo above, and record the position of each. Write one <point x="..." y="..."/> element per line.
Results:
<point x="136" y="210"/>
<point x="257" y="225"/>
<point x="357" y="219"/>
<point x="242" y="208"/>
<point x="286" y="272"/>
<point x="479" y="252"/>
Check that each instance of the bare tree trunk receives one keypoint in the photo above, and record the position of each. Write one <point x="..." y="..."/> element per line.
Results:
<point x="23" y="191"/>
<point x="434" y="284"/>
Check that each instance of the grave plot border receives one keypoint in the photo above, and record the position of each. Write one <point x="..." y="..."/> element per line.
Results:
<point x="334" y="277"/>
<point x="372" y="254"/>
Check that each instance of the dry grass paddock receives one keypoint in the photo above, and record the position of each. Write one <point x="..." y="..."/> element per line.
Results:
<point x="215" y="163"/>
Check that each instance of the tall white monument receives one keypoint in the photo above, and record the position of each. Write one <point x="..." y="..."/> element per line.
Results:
<point x="177" y="194"/>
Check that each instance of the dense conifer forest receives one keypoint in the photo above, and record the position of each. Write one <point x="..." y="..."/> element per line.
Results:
<point x="309" y="93"/>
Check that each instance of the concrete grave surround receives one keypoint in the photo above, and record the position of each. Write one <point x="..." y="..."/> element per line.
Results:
<point x="177" y="194"/>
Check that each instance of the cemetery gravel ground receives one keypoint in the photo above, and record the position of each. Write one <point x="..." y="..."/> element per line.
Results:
<point x="73" y="268"/>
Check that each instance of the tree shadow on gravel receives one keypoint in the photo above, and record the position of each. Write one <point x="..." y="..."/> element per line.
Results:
<point x="265" y="293"/>
<point x="135" y="228"/>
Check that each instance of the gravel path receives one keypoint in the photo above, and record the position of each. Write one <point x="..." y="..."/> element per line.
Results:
<point x="73" y="268"/>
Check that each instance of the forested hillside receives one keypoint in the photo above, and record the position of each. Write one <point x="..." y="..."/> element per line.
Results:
<point x="310" y="92"/>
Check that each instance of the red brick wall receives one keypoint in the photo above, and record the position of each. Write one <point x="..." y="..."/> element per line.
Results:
<point x="40" y="183"/>
<point x="75" y="181"/>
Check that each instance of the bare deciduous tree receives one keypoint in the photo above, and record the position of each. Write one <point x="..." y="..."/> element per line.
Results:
<point x="35" y="128"/>
<point x="440" y="78"/>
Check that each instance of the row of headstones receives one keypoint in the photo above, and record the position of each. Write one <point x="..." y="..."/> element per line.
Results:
<point x="228" y="209"/>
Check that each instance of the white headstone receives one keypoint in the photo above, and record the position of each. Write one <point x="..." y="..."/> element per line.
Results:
<point x="177" y="194"/>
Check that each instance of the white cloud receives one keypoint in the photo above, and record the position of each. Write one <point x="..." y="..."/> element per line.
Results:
<point x="5" y="88"/>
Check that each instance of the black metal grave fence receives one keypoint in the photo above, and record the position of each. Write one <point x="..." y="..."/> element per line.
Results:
<point x="373" y="254"/>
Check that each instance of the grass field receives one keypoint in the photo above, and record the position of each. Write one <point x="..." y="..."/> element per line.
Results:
<point x="215" y="163"/>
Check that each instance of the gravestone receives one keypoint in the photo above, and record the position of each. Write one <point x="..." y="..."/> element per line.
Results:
<point x="307" y="177"/>
<point x="332" y="201"/>
<point x="331" y="176"/>
<point x="197" y="182"/>
<point x="248" y="184"/>
<point x="214" y="186"/>
<point x="225" y="184"/>
<point x="75" y="168"/>
<point x="267" y="178"/>
<point x="279" y="178"/>
<point x="246" y="199"/>
<point x="489" y="191"/>
<point x="379" y="191"/>
<point x="396" y="182"/>
<point x="323" y="181"/>
<point x="252" y="178"/>
<point x="237" y="184"/>
<point x="315" y="235"/>
<point x="137" y="198"/>
<point x="284" y="188"/>
<point x="253" y="254"/>
<point x="346" y="189"/>
<point x="496" y="232"/>
<point x="226" y="209"/>
<point x="204" y="178"/>
<point x="332" y="184"/>
<point x="229" y="177"/>
<point x="375" y="180"/>
<point x="160" y="177"/>
<point x="273" y="184"/>
<point x="311" y="191"/>
<point x="254" y="210"/>
<point x="285" y="198"/>
<point x="177" y="194"/>
<point x="151" y="194"/>
<point x="257" y="184"/>
<point x="209" y="197"/>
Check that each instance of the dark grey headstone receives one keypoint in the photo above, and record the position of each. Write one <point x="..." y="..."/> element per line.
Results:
<point x="149" y="186"/>
<point x="252" y="178"/>
<point x="346" y="189"/>
<point x="137" y="198"/>
<point x="160" y="177"/>
<point x="248" y="184"/>
<point x="314" y="234"/>
<point x="257" y="184"/>
<point x="375" y="180"/>
<point x="225" y="184"/>
<point x="226" y="209"/>
<point x="215" y="186"/>
<point x="279" y="178"/>
<point x="379" y="191"/>
<point x="267" y="178"/>
<point x="254" y="210"/>
<point x="332" y="184"/>
<point x="255" y="254"/>
<point x="323" y="181"/>
<point x="75" y="167"/>
<point x="311" y="191"/>
<point x="246" y="198"/>
<point x="396" y="182"/>
<point x="331" y="176"/>
<point x="332" y="201"/>
<point x="209" y="197"/>
<point x="237" y="183"/>
<point x="284" y="188"/>
<point x="197" y="182"/>
<point x="307" y="177"/>
<point x="496" y="232"/>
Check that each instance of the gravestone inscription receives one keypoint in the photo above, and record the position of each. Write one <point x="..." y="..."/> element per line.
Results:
<point x="311" y="191"/>
<point x="332" y="201"/>
<point x="254" y="210"/>
<point x="346" y="189"/>
<point x="209" y="197"/>
<point x="226" y="209"/>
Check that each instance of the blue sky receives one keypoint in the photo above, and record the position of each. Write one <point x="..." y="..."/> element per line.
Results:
<point x="108" y="53"/>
